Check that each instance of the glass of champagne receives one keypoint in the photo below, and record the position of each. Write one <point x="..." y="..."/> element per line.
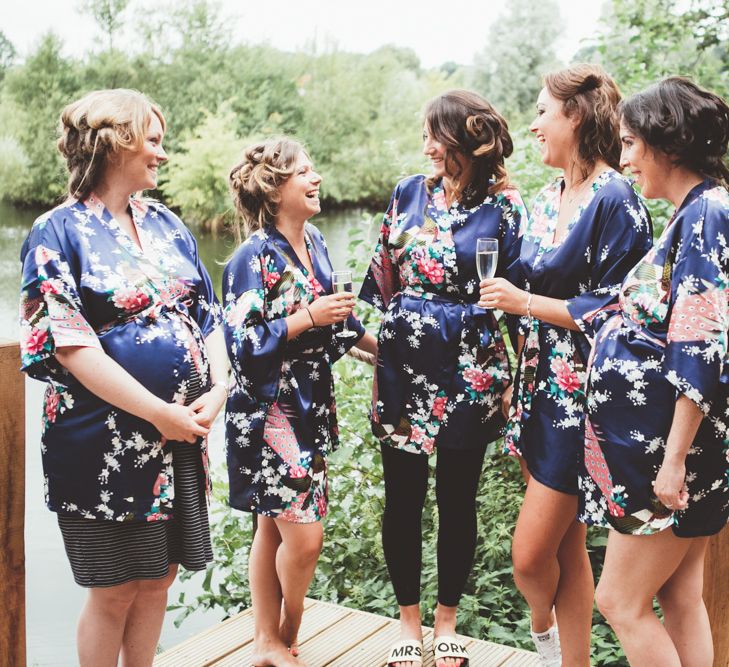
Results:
<point x="487" y="257"/>
<point x="342" y="282"/>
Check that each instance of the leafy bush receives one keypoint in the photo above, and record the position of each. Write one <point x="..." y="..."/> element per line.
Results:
<point x="196" y="181"/>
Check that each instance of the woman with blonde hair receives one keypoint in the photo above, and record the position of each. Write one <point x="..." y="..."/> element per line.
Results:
<point x="586" y="230"/>
<point x="442" y="366"/>
<point x="284" y="329"/>
<point x="118" y="315"/>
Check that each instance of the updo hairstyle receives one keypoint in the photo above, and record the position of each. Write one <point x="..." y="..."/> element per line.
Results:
<point x="101" y="124"/>
<point x="684" y="121"/>
<point x="255" y="182"/>
<point x="465" y="123"/>
<point x="590" y="96"/>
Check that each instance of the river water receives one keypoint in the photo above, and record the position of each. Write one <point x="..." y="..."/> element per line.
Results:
<point x="53" y="601"/>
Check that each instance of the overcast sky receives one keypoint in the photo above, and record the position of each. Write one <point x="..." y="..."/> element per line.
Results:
<point x="438" y="31"/>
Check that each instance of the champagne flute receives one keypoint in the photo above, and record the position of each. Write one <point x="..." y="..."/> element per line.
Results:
<point x="342" y="282"/>
<point x="487" y="257"/>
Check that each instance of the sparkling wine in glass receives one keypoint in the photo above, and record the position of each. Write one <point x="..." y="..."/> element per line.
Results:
<point x="487" y="257"/>
<point x="342" y="282"/>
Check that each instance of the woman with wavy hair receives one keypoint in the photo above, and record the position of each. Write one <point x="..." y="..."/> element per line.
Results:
<point x="283" y="328"/>
<point x="656" y="448"/>
<point x="587" y="230"/>
<point x="442" y="365"/>
<point x="118" y="315"/>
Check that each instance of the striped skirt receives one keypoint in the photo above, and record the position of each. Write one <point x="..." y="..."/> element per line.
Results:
<point x="109" y="553"/>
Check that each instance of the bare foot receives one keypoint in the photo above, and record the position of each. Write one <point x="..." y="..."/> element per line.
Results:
<point x="288" y="630"/>
<point x="273" y="654"/>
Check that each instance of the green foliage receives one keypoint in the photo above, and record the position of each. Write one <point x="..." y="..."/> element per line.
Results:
<point x="645" y="40"/>
<point x="525" y="167"/>
<point x="13" y="165"/>
<point x="7" y="54"/>
<point x="520" y="49"/>
<point x="39" y="90"/>
<point x="107" y="14"/>
<point x="196" y="181"/>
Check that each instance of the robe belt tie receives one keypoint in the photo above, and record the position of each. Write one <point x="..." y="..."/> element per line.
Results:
<point x="149" y="315"/>
<point x="524" y="388"/>
<point x="483" y="320"/>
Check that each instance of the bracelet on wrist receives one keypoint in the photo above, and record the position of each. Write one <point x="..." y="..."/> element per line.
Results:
<point x="311" y="317"/>
<point x="223" y="384"/>
<point x="529" y="306"/>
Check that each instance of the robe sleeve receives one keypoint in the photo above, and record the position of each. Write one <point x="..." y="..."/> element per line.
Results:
<point x="206" y="309"/>
<point x="509" y="266"/>
<point x="624" y="236"/>
<point x="696" y="343"/>
<point x="52" y="314"/>
<point x="382" y="280"/>
<point x="256" y="342"/>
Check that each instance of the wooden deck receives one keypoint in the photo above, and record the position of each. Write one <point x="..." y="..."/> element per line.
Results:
<point x="330" y="636"/>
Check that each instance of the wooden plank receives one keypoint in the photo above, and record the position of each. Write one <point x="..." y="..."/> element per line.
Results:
<point x="12" y="506"/>
<point x="214" y="643"/>
<point x="211" y="644"/>
<point x="331" y="636"/>
<point x="370" y="651"/>
<point x="716" y="595"/>
<point x="339" y="638"/>
<point x="317" y="617"/>
<point x="521" y="658"/>
<point x="488" y="654"/>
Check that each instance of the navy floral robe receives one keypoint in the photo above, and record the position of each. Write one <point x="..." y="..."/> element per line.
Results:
<point x="668" y="338"/>
<point x="442" y="362"/>
<point x="607" y="235"/>
<point x="86" y="283"/>
<point x="281" y="415"/>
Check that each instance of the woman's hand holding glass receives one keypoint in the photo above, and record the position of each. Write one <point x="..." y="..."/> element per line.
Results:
<point x="331" y="308"/>
<point x="499" y="293"/>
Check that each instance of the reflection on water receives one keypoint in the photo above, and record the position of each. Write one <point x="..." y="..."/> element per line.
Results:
<point x="53" y="600"/>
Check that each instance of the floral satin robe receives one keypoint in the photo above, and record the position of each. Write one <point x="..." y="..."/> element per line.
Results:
<point x="86" y="283"/>
<point x="281" y="415"/>
<point x="442" y="363"/>
<point x="668" y="338"/>
<point x="609" y="232"/>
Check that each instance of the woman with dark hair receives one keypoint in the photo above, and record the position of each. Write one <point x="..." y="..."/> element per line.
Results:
<point x="283" y="330"/>
<point x="118" y="315"/>
<point x="587" y="229"/>
<point x="658" y="418"/>
<point x="442" y="365"/>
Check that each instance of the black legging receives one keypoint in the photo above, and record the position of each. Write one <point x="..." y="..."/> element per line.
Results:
<point x="457" y="474"/>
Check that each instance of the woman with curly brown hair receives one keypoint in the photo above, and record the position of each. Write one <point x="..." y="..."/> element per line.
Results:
<point x="283" y="329"/>
<point x="118" y="315"/>
<point x="587" y="230"/>
<point x="442" y="365"/>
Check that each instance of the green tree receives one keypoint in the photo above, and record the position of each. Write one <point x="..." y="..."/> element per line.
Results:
<point x="13" y="166"/>
<point x="107" y="14"/>
<point x="195" y="179"/>
<point x="38" y="91"/>
<point x="7" y="54"/>
<point x="519" y="50"/>
<point x="645" y="40"/>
